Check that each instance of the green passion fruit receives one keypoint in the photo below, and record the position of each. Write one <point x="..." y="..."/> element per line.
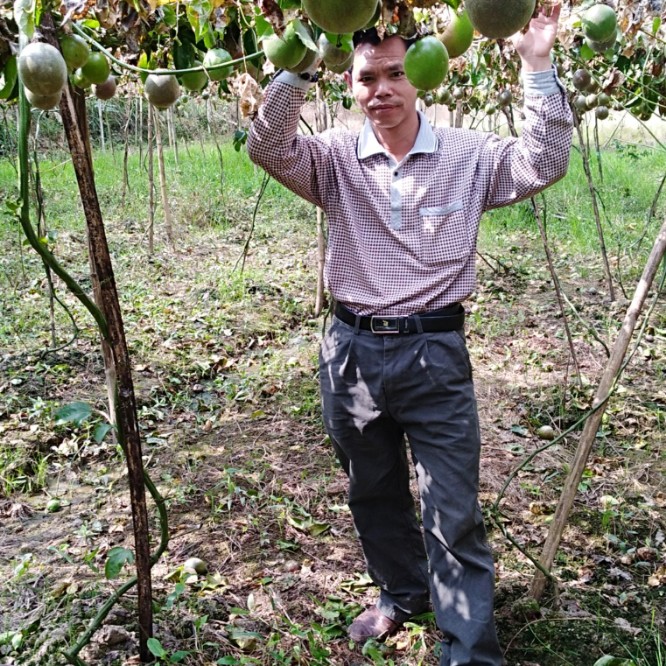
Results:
<point x="42" y="68"/>
<point x="339" y="16"/>
<point x="311" y="55"/>
<point x="43" y="102"/>
<point x="287" y="51"/>
<point x="335" y="58"/>
<point x="214" y="58"/>
<point x="603" y="46"/>
<point x="79" y="79"/>
<point x="599" y="23"/>
<point x="75" y="51"/>
<point x="97" y="68"/>
<point x="162" y="90"/>
<point x="498" y="19"/>
<point x="458" y="35"/>
<point x="194" y="81"/>
<point x="426" y="63"/>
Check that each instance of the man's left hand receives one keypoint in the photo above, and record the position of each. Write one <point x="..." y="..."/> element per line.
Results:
<point x="536" y="42"/>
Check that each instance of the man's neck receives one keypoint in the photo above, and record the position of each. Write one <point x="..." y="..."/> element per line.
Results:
<point x="398" y="141"/>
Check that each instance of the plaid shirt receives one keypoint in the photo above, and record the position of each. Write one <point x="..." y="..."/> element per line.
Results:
<point x="402" y="237"/>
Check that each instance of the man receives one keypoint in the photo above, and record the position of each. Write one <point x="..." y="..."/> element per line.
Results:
<point x="403" y="202"/>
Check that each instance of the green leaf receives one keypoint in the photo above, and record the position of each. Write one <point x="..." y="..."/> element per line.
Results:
<point x="229" y="660"/>
<point x="586" y="53"/>
<point x="239" y="140"/>
<point x="75" y="412"/>
<point x="609" y="660"/>
<point x="156" y="648"/>
<point x="91" y="23"/>
<point x="8" y="78"/>
<point x="101" y="431"/>
<point x="198" y="17"/>
<point x="262" y="26"/>
<point x="304" y="35"/>
<point x="317" y="529"/>
<point x="656" y="24"/>
<point x="344" y="41"/>
<point x="169" y="16"/>
<point x="178" y="656"/>
<point x="24" y="15"/>
<point x="115" y="561"/>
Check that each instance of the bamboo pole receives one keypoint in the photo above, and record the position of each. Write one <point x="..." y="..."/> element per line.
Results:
<point x="604" y="390"/>
<point x="168" y="220"/>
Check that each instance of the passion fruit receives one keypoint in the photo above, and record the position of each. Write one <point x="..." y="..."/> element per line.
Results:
<point x="42" y="68"/>
<point x="107" y="89"/>
<point x="79" y="79"/>
<point x="343" y="66"/>
<point x="75" y="51"/>
<point x="601" y="112"/>
<point x="603" y="99"/>
<point x="426" y="63"/>
<point x="194" y="81"/>
<point x="97" y="68"/>
<point x="335" y="58"/>
<point x="581" y="79"/>
<point x="602" y="46"/>
<point x="591" y="101"/>
<point x="340" y="16"/>
<point x="458" y="35"/>
<point x="599" y="23"/>
<point x="505" y="98"/>
<point x="310" y="56"/>
<point x="580" y="103"/>
<point x="287" y="51"/>
<point x="195" y="565"/>
<point x="498" y="19"/>
<point x="216" y="57"/>
<point x="161" y="90"/>
<point x="43" y="102"/>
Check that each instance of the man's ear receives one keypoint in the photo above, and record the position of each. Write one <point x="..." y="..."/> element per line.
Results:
<point x="348" y="78"/>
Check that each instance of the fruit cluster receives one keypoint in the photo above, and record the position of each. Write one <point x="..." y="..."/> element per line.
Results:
<point x="44" y="70"/>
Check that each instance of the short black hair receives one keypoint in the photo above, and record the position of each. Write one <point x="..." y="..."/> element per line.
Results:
<point x="371" y="36"/>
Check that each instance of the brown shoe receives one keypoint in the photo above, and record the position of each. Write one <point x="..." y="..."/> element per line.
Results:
<point x="372" y="623"/>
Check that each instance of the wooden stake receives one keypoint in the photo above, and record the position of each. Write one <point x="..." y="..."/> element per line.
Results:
<point x="600" y="402"/>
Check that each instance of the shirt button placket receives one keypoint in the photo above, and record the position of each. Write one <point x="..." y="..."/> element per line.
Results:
<point x="396" y="201"/>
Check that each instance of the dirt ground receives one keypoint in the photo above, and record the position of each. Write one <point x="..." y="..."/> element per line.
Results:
<point x="227" y="399"/>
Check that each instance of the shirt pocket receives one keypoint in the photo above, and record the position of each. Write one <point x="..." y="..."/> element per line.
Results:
<point x="444" y="234"/>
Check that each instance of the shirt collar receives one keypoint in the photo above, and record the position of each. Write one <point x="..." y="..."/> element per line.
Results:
<point x="426" y="141"/>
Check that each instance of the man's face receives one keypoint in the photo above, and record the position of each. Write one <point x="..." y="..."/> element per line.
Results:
<point x="379" y="84"/>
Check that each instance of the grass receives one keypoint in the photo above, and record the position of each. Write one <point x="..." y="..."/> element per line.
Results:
<point x="225" y="373"/>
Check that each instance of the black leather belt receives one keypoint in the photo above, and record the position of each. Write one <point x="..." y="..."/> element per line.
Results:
<point x="450" y="318"/>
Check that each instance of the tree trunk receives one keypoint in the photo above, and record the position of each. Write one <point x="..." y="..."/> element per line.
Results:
<point x="72" y="109"/>
<point x="588" y="436"/>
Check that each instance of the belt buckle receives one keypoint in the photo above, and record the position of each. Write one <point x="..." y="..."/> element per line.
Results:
<point x="385" y="325"/>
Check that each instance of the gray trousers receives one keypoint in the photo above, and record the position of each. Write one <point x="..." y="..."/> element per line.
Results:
<point x="375" y="390"/>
